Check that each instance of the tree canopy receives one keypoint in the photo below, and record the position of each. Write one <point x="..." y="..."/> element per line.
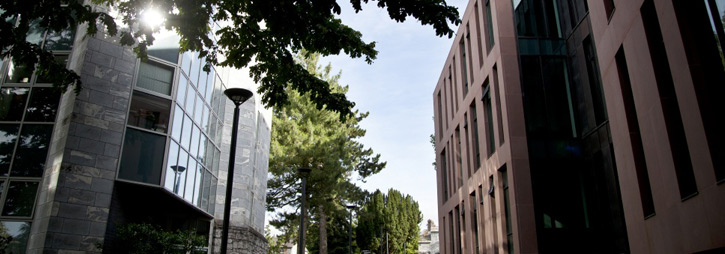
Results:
<point x="389" y="221"/>
<point x="261" y="35"/>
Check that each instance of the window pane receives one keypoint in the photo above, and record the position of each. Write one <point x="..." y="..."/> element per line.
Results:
<point x="35" y="32"/>
<point x="172" y="169"/>
<point x="12" y="103"/>
<point x="197" y="110"/>
<point x="197" y="185"/>
<point x="210" y="86"/>
<point x="20" y="199"/>
<point x="205" y="118"/>
<point x="186" y="132"/>
<point x="142" y="158"/>
<point x="62" y="59"/>
<point x="43" y="105"/>
<point x="215" y="160"/>
<point x="209" y="156"/>
<point x="59" y="40"/>
<point x="18" y="73"/>
<point x="181" y="90"/>
<point x="190" y="178"/>
<point x="202" y="149"/>
<point x="32" y="150"/>
<point x="212" y="195"/>
<point x="166" y="46"/>
<point x="181" y="178"/>
<point x="149" y="112"/>
<point x="16" y="235"/>
<point x="155" y="77"/>
<point x="8" y="136"/>
<point x="194" y="148"/>
<point x="186" y="62"/>
<point x="190" y="100"/>
<point x="178" y="121"/>
<point x="194" y="71"/>
<point x="205" y="187"/>
<point x="201" y="86"/>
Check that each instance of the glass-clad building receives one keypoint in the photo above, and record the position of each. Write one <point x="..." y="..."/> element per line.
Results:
<point x="143" y="142"/>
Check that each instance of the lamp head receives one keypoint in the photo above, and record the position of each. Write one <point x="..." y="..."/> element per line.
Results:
<point x="304" y="171"/>
<point x="178" y="169"/>
<point x="351" y="206"/>
<point x="238" y="95"/>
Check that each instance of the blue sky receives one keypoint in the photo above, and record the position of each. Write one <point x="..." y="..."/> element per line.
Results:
<point x="397" y="90"/>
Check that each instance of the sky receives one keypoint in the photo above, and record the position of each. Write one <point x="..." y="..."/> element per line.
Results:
<point x="397" y="90"/>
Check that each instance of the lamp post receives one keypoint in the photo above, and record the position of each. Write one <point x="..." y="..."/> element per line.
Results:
<point x="178" y="170"/>
<point x="349" y="235"/>
<point x="238" y="96"/>
<point x="301" y="245"/>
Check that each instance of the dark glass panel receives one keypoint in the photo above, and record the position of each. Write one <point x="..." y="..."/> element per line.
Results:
<point x="62" y="40"/>
<point x="15" y="235"/>
<point x="212" y="196"/>
<point x="60" y="58"/>
<point x="12" y="103"/>
<point x="20" y="199"/>
<point x="149" y="112"/>
<point x="155" y="77"/>
<point x="143" y="157"/>
<point x="206" y="191"/>
<point x="8" y="138"/>
<point x="18" y="73"/>
<point x="43" y="105"/>
<point x="32" y="150"/>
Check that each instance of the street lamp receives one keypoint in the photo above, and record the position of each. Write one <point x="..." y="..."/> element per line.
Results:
<point x="238" y="96"/>
<point x="349" y="236"/>
<point x="301" y="245"/>
<point x="178" y="170"/>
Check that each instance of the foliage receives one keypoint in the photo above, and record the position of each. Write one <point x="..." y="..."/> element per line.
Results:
<point x="433" y="143"/>
<point x="304" y="136"/>
<point x="263" y="35"/>
<point x="147" y="238"/>
<point x="394" y="214"/>
<point x="338" y="226"/>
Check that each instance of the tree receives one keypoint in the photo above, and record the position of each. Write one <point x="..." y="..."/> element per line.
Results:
<point x="389" y="221"/>
<point x="305" y="136"/>
<point x="263" y="35"/>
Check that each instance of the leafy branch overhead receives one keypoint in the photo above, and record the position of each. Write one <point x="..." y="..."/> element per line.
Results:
<point x="261" y="35"/>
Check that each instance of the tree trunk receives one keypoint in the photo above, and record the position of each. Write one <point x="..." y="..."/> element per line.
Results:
<point x="323" y="229"/>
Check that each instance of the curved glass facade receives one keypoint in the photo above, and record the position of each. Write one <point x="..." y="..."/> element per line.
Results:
<point x="174" y="127"/>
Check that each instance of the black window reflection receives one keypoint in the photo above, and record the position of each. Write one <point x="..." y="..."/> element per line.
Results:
<point x="14" y="234"/>
<point x="61" y="59"/>
<point x="149" y="112"/>
<point x="12" y="103"/>
<point x="62" y="40"/>
<point x="32" y="150"/>
<point x="43" y="105"/>
<point x="142" y="158"/>
<point x="8" y="137"/>
<point x="19" y="73"/>
<point x="20" y="199"/>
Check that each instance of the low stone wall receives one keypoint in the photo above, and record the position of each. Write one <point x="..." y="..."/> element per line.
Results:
<point x="241" y="240"/>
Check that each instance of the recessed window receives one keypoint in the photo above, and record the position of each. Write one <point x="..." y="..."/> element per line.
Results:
<point x="32" y="150"/>
<point x="155" y="77"/>
<point x="20" y="199"/>
<point x="62" y="40"/>
<point x="142" y="158"/>
<point x="17" y="233"/>
<point x="62" y="59"/>
<point x="43" y="105"/>
<point x="149" y="112"/>
<point x="8" y="137"/>
<point x="12" y="103"/>
<point x="19" y="73"/>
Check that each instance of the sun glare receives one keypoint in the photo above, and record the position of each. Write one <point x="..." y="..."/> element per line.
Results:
<point x="152" y="18"/>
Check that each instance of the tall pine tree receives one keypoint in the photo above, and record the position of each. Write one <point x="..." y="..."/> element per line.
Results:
<point x="305" y="135"/>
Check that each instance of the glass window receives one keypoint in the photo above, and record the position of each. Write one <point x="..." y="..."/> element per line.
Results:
<point x="35" y="32"/>
<point x="62" y="40"/>
<point x="190" y="178"/>
<point x="14" y="235"/>
<point x="205" y="118"/>
<point x="181" y="90"/>
<point x="210" y="86"/>
<point x="181" y="174"/>
<point x="197" y="185"/>
<point x="172" y="169"/>
<point x="32" y="150"/>
<point x="155" y="77"/>
<point x="212" y="195"/>
<point x="201" y="86"/>
<point x="205" y="187"/>
<point x="198" y="109"/>
<point x="194" y="148"/>
<point x="212" y="129"/>
<point x="190" y="100"/>
<point x="19" y="73"/>
<point x="149" y="112"/>
<point x="60" y="58"/>
<point x="178" y="122"/>
<point x="142" y="158"/>
<point x="219" y="131"/>
<point x="8" y="137"/>
<point x="12" y="103"/>
<point x="186" y="132"/>
<point x="194" y="71"/>
<point x="43" y="105"/>
<point x="208" y="157"/>
<point x="20" y="199"/>
<point x="186" y="62"/>
<point x="717" y="21"/>
<point x="202" y="149"/>
<point x="215" y="160"/>
<point x="166" y="46"/>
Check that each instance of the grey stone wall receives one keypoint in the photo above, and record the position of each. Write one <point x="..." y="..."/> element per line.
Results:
<point x="250" y="175"/>
<point x="75" y="196"/>
<point x="241" y="240"/>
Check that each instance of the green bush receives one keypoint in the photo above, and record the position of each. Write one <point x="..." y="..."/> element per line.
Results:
<point x="147" y="238"/>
